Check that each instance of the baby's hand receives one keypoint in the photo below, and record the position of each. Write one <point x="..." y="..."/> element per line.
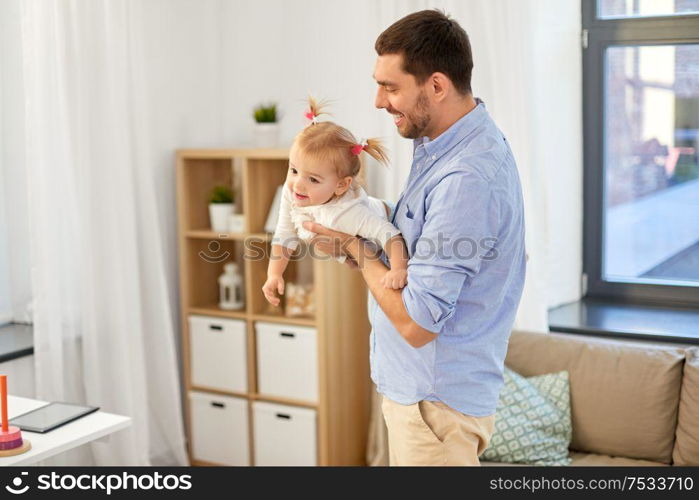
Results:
<point x="272" y="285"/>
<point x="395" y="278"/>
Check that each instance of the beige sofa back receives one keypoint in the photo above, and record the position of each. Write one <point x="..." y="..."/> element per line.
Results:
<point x="624" y="396"/>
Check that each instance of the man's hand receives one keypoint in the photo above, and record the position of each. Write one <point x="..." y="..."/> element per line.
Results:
<point x="330" y="242"/>
<point x="373" y="270"/>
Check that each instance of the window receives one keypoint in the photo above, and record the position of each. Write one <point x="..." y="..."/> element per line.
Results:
<point x="641" y="113"/>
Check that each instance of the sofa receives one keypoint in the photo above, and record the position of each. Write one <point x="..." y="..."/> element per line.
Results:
<point x="633" y="403"/>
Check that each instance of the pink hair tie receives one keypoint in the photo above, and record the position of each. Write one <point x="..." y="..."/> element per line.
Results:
<point x="311" y="116"/>
<point x="358" y="148"/>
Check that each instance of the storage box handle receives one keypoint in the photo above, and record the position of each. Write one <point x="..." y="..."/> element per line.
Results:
<point x="287" y="334"/>
<point x="215" y="327"/>
<point x="217" y="404"/>
<point x="284" y="415"/>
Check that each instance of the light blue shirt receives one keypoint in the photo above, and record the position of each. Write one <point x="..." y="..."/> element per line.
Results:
<point x="462" y="217"/>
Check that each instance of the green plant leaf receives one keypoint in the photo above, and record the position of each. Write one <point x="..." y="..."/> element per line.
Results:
<point x="265" y="113"/>
<point x="221" y="194"/>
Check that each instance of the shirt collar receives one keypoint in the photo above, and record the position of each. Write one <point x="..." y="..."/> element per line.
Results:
<point x="454" y="134"/>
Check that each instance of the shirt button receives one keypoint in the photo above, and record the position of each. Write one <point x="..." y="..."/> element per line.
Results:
<point x="434" y="156"/>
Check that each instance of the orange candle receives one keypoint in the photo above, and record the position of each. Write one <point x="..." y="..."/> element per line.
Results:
<point x="3" y="395"/>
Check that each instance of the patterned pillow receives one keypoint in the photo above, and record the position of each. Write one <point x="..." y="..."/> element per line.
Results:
<point x="532" y="421"/>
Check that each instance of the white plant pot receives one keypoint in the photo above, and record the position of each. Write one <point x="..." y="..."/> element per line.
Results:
<point x="236" y="223"/>
<point x="218" y="214"/>
<point x="266" y="135"/>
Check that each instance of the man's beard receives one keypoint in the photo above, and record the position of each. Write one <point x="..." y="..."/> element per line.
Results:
<point x="418" y="119"/>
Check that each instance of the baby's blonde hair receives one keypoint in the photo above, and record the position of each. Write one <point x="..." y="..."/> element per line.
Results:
<point x="329" y="142"/>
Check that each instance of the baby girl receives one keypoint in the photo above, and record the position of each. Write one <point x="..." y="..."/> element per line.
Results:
<point x="322" y="186"/>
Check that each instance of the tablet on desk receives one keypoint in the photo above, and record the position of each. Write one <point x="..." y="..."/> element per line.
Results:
<point x="50" y="416"/>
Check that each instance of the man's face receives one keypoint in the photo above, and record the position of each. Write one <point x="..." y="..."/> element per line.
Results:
<point x="400" y="95"/>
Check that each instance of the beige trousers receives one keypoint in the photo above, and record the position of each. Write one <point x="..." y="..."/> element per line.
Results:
<point x="432" y="433"/>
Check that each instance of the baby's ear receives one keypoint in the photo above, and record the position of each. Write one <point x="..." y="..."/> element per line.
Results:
<point x="343" y="185"/>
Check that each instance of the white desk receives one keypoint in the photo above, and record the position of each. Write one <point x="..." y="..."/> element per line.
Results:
<point x="83" y="430"/>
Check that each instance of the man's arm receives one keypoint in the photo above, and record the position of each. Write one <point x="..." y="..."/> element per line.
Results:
<point x="389" y="299"/>
<point x="373" y="269"/>
<point x="461" y="214"/>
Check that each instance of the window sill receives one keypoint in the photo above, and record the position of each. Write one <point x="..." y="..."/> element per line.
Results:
<point x="617" y="320"/>
<point x="16" y="341"/>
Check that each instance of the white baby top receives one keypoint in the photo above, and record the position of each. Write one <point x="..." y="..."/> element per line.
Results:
<point x="354" y="213"/>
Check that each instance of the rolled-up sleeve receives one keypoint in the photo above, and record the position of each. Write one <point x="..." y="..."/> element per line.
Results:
<point x="461" y="213"/>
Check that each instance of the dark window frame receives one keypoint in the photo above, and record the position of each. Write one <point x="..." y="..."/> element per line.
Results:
<point x="601" y="34"/>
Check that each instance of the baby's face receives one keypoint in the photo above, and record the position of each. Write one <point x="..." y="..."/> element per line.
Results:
<point x="313" y="183"/>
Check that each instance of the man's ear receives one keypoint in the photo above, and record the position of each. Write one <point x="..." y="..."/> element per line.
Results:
<point x="440" y="85"/>
<point x="343" y="185"/>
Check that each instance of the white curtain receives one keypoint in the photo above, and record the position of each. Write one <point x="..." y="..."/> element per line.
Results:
<point x="103" y="332"/>
<point x="528" y="69"/>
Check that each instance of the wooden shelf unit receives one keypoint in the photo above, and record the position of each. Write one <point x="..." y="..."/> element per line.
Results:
<point x="341" y="296"/>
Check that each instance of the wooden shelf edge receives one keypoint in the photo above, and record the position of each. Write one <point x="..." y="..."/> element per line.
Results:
<point x="256" y="397"/>
<point x="212" y="310"/>
<point x="207" y="234"/>
<point x="285" y="319"/>
<point x="229" y="154"/>
<point x="283" y="401"/>
<point x="220" y="392"/>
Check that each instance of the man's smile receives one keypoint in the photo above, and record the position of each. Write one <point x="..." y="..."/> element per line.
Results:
<point x="397" y="117"/>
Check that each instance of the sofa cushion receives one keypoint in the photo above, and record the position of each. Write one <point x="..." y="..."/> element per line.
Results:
<point x="686" y="450"/>
<point x="532" y="421"/>
<point x="624" y="395"/>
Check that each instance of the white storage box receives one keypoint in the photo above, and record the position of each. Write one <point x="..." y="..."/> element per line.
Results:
<point x="218" y="353"/>
<point x="287" y="361"/>
<point x="219" y="428"/>
<point x="284" y="435"/>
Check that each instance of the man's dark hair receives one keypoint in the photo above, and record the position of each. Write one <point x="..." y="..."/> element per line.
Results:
<point x="430" y="41"/>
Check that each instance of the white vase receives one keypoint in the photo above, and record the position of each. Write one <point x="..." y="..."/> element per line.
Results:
<point x="236" y="223"/>
<point x="218" y="215"/>
<point x="266" y="135"/>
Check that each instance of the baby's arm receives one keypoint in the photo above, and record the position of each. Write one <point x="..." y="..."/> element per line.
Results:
<point x="397" y="276"/>
<point x="284" y="242"/>
<point x="275" y="272"/>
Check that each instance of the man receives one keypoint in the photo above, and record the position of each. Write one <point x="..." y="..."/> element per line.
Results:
<point x="438" y="345"/>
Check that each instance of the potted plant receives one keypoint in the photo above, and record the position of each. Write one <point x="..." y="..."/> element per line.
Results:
<point x="266" y="127"/>
<point x="220" y="207"/>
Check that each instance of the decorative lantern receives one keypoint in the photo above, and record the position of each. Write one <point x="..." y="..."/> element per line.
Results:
<point x="230" y="285"/>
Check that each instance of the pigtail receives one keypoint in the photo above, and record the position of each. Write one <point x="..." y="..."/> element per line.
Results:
<point x="373" y="148"/>
<point x="315" y="109"/>
<point x="376" y="150"/>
